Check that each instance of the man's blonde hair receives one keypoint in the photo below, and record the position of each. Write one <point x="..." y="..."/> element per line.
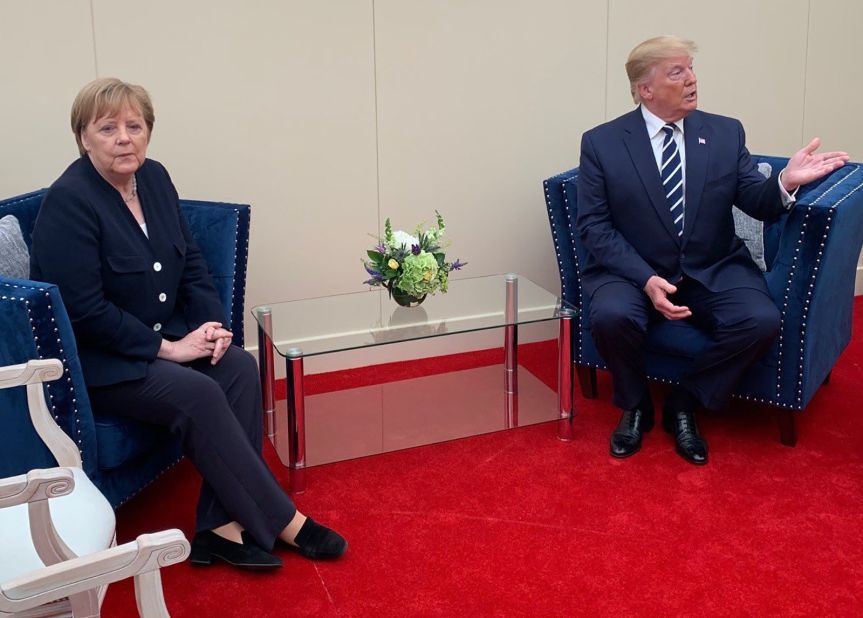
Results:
<point x="108" y="95"/>
<point x="644" y="58"/>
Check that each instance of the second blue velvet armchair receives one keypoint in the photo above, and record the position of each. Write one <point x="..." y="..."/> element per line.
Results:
<point x="811" y="255"/>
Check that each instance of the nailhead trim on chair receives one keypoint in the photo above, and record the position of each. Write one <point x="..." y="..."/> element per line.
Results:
<point x="234" y="269"/>
<point x="49" y="386"/>
<point x="577" y="301"/>
<point x="238" y="296"/>
<point x="836" y="184"/>
<point x="24" y="199"/>
<point x="791" y="272"/>
<point x="153" y="480"/>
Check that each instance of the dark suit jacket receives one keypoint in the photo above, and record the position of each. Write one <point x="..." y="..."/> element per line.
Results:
<point x="624" y="221"/>
<point x="123" y="290"/>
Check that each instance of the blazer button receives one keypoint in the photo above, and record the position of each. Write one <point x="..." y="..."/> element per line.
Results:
<point x="163" y="297"/>
<point x="157" y="266"/>
<point x="157" y="327"/>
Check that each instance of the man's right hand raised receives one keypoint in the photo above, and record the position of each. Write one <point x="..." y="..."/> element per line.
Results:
<point x="658" y="289"/>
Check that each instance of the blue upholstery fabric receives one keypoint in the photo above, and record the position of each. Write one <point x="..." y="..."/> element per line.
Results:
<point x="811" y="254"/>
<point x="120" y="456"/>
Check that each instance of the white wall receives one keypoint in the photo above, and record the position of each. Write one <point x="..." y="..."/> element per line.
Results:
<point x="330" y="116"/>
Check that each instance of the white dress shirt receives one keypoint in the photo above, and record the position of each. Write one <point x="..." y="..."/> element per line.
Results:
<point x="657" y="136"/>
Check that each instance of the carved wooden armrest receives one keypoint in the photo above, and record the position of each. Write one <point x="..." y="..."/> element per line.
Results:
<point x="141" y="559"/>
<point x="36" y="485"/>
<point x="32" y="374"/>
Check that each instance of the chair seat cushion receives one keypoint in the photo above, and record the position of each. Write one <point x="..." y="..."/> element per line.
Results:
<point x="84" y="520"/>
<point x="121" y="440"/>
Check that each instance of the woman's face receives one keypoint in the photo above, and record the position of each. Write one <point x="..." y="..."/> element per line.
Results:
<point x="117" y="143"/>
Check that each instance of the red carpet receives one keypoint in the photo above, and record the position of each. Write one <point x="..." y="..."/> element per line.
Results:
<point x="517" y="523"/>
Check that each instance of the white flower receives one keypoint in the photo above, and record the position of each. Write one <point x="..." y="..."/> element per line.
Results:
<point x="403" y="238"/>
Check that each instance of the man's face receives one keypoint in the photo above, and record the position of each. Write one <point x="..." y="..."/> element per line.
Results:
<point x="670" y="91"/>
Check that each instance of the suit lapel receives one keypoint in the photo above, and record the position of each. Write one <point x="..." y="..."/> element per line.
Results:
<point x="695" y="137"/>
<point x="638" y="143"/>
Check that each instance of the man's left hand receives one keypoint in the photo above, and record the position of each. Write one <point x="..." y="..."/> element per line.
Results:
<point x="806" y="166"/>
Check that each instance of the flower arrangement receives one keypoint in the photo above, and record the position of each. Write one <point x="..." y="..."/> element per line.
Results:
<point x="410" y="266"/>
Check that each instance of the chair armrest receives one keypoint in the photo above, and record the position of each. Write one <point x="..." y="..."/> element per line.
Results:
<point x="812" y="281"/>
<point x="33" y="326"/>
<point x="36" y="485"/>
<point x="149" y="552"/>
<point x="562" y="221"/>
<point x="31" y="372"/>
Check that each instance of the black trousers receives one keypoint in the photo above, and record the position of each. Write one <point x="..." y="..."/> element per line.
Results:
<point x="742" y="324"/>
<point x="217" y="412"/>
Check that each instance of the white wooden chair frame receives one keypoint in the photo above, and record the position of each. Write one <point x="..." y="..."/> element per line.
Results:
<point x="71" y="585"/>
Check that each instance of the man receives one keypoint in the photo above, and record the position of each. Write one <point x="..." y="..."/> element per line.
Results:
<point x="655" y="192"/>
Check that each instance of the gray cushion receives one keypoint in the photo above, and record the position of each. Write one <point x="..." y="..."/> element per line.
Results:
<point x="751" y="230"/>
<point x="14" y="256"/>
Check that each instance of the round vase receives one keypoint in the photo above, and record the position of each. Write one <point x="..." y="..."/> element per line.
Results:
<point x="406" y="300"/>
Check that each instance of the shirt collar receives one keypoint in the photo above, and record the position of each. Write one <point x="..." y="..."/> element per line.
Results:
<point x="655" y="123"/>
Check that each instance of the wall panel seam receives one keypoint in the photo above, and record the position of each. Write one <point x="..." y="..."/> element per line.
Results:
<point x="803" y="139"/>
<point x="607" y="37"/>
<point x="93" y="35"/>
<point x="377" y="115"/>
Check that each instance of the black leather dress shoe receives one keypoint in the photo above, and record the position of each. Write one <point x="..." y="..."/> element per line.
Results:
<point x="318" y="542"/>
<point x="690" y="445"/>
<point x="247" y="555"/>
<point x="626" y="438"/>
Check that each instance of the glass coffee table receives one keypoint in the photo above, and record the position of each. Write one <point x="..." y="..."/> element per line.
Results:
<point x="310" y="327"/>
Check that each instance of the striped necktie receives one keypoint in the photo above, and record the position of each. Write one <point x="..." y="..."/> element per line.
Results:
<point x="671" y="172"/>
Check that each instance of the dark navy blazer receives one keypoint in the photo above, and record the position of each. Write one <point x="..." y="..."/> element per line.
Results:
<point x="624" y="221"/>
<point x="123" y="290"/>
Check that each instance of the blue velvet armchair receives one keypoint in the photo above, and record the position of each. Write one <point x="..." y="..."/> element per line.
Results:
<point x="120" y="456"/>
<point x="811" y="254"/>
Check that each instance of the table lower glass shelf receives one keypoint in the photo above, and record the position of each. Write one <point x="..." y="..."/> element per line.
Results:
<point x="388" y="417"/>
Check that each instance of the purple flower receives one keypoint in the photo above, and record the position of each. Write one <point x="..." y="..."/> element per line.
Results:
<point x="458" y="265"/>
<point x="373" y="281"/>
<point x="374" y="273"/>
<point x="415" y="249"/>
<point x="381" y="248"/>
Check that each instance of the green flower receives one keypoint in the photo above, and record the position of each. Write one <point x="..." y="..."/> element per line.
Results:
<point x="419" y="274"/>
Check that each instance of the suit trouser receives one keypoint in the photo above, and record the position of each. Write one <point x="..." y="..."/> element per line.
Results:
<point x="216" y="410"/>
<point x="742" y="324"/>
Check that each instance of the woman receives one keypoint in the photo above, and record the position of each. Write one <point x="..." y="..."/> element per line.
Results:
<point x="146" y="318"/>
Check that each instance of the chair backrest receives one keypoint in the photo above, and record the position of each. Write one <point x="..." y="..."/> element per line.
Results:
<point x="220" y="229"/>
<point x="25" y="208"/>
<point x="222" y="232"/>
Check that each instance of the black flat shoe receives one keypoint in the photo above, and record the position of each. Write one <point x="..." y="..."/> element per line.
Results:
<point x="626" y="438"/>
<point x="690" y="445"/>
<point x="247" y="555"/>
<point x="318" y="542"/>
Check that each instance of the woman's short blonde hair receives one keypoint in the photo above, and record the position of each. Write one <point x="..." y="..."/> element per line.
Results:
<point x="108" y="95"/>
<point x="644" y="58"/>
